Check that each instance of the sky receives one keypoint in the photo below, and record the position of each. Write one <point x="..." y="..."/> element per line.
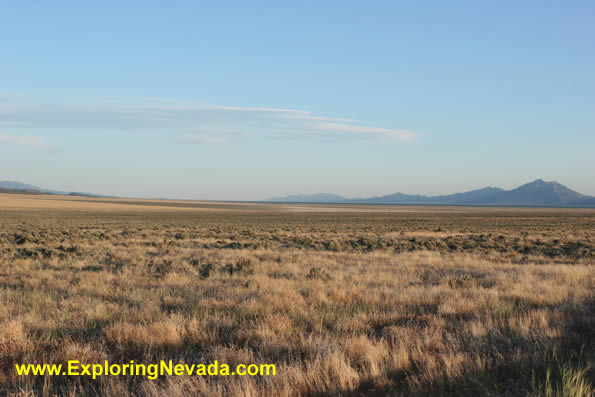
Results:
<point x="250" y="100"/>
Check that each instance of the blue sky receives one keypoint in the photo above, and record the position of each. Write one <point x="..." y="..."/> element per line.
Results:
<point x="247" y="101"/>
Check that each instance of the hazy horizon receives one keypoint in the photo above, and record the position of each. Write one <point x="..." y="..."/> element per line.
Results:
<point x="253" y="102"/>
<point x="277" y="197"/>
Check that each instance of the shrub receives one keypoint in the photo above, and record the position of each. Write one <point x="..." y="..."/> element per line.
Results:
<point x="243" y="267"/>
<point x="206" y="270"/>
<point x="317" y="273"/>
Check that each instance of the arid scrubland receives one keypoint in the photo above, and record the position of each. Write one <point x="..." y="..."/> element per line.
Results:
<point x="345" y="300"/>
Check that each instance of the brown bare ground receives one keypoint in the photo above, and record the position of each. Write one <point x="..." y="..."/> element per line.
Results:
<point x="344" y="299"/>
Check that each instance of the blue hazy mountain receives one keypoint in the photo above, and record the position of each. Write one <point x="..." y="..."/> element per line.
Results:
<point x="14" y="186"/>
<point x="467" y="197"/>
<point x="536" y="193"/>
<point x="398" y="198"/>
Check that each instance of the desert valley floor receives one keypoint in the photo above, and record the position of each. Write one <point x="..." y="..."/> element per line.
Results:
<point x="343" y="299"/>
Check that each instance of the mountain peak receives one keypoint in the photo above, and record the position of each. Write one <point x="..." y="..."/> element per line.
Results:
<point x="541" y="182"/>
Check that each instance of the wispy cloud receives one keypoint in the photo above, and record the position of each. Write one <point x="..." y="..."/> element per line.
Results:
<point x="402" y="135"/>
<point x="203" y="139"/>
<point x="177" y="106"/>
<point x="34" y="141"/>
<point x="189" y="122"/>
<point x="260" y="110"/>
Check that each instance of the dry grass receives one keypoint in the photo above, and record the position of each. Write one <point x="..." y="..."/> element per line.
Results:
<point x="378" y="301"/>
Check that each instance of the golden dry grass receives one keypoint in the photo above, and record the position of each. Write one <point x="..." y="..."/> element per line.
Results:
<point x="345" y="300"/>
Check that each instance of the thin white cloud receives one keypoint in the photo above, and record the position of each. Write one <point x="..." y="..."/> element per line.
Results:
<point x="182" y="121"/>
<point x="204" y="139"/>
<point x="204" y="108"/>
<point x="259" y="110"/>
<point x="34" y="141"/>
<point x="402" y="135"/>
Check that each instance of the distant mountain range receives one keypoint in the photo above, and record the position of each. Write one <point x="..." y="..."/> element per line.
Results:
<point x="18" y="187"/>
<point x="536" y="193"/>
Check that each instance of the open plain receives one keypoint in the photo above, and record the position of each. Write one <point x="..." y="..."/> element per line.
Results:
<point x="343" y="299"/>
